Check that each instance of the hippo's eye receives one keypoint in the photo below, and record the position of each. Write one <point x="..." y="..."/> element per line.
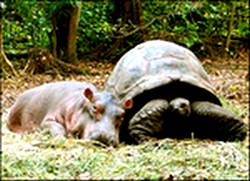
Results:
<point x="98" y="108"/>
<point x="95" y="108"/>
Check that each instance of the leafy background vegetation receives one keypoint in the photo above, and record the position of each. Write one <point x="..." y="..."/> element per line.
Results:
<point x="202" y="26"/>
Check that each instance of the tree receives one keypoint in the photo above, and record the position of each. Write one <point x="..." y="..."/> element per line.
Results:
<point x="3" y="56"/>
<point x="130" y="28"/>
<point x="129" y="10"/>
<point x="65" y="19"/>
<point x="230" y="26"/>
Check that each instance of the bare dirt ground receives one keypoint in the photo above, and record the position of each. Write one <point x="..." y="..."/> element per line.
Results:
<point x="231" y="81"/>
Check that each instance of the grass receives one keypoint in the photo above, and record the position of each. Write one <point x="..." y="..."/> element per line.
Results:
<point x="40" y="156"/>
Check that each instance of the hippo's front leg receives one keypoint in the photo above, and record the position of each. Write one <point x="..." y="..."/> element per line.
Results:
<point x="54" y="126"/>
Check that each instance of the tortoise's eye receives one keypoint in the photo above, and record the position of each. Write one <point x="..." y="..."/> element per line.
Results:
<point x="183" y="105"/>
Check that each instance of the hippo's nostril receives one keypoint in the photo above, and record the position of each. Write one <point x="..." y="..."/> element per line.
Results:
<point x="107" y="140"/>
<point x="113" y="142"/>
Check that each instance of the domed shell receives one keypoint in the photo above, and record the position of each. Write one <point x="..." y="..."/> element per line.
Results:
<point x="155" y="63"/>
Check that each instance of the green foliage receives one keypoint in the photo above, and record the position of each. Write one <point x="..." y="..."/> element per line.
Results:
<point x="25" y="25"/>
<point x="201" y="26"/>
<point x="198" y="24"/>
<point x="94" y="26"/>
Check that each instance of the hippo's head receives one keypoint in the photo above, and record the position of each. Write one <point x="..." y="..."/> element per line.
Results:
<point x="102" y="117"/>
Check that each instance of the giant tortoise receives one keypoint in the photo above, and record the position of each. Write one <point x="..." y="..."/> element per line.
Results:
<point x="172" y="96"/>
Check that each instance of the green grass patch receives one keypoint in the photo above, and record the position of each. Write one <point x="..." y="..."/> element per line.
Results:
<point x="40" y="156"/>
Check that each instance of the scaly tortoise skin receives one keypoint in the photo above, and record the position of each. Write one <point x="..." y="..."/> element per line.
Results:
<point x="172" y="96"/>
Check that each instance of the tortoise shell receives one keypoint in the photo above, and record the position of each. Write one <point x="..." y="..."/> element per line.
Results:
<point x="158" y="68"/>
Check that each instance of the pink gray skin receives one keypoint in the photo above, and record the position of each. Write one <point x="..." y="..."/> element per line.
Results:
<point x="69" y="109"/>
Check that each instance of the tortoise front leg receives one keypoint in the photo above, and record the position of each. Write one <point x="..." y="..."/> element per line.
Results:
<point x="215" y="122"/>
<point x="147" y="123"/>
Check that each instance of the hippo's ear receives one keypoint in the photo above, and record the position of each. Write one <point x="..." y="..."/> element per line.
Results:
<point x="128" y="103"/>
<point x="88" y="93"/>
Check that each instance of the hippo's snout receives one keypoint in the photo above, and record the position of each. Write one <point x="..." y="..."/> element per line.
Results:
<point x="109" y="140"/>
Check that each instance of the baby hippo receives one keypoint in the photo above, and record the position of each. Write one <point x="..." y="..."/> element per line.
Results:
<point x="69" y="109"/>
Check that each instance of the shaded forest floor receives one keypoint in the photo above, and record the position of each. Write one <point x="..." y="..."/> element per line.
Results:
<point x="230" y="79"/>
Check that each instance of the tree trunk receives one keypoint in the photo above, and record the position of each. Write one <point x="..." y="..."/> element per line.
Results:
<point x="230" y="27"/>
<point x="65" y="22"/>
<point x="130" y="11"/>
<point x="73" y="25"/>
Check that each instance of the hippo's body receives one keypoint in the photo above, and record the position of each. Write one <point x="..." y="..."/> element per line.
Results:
<point x="67" y="108"/>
